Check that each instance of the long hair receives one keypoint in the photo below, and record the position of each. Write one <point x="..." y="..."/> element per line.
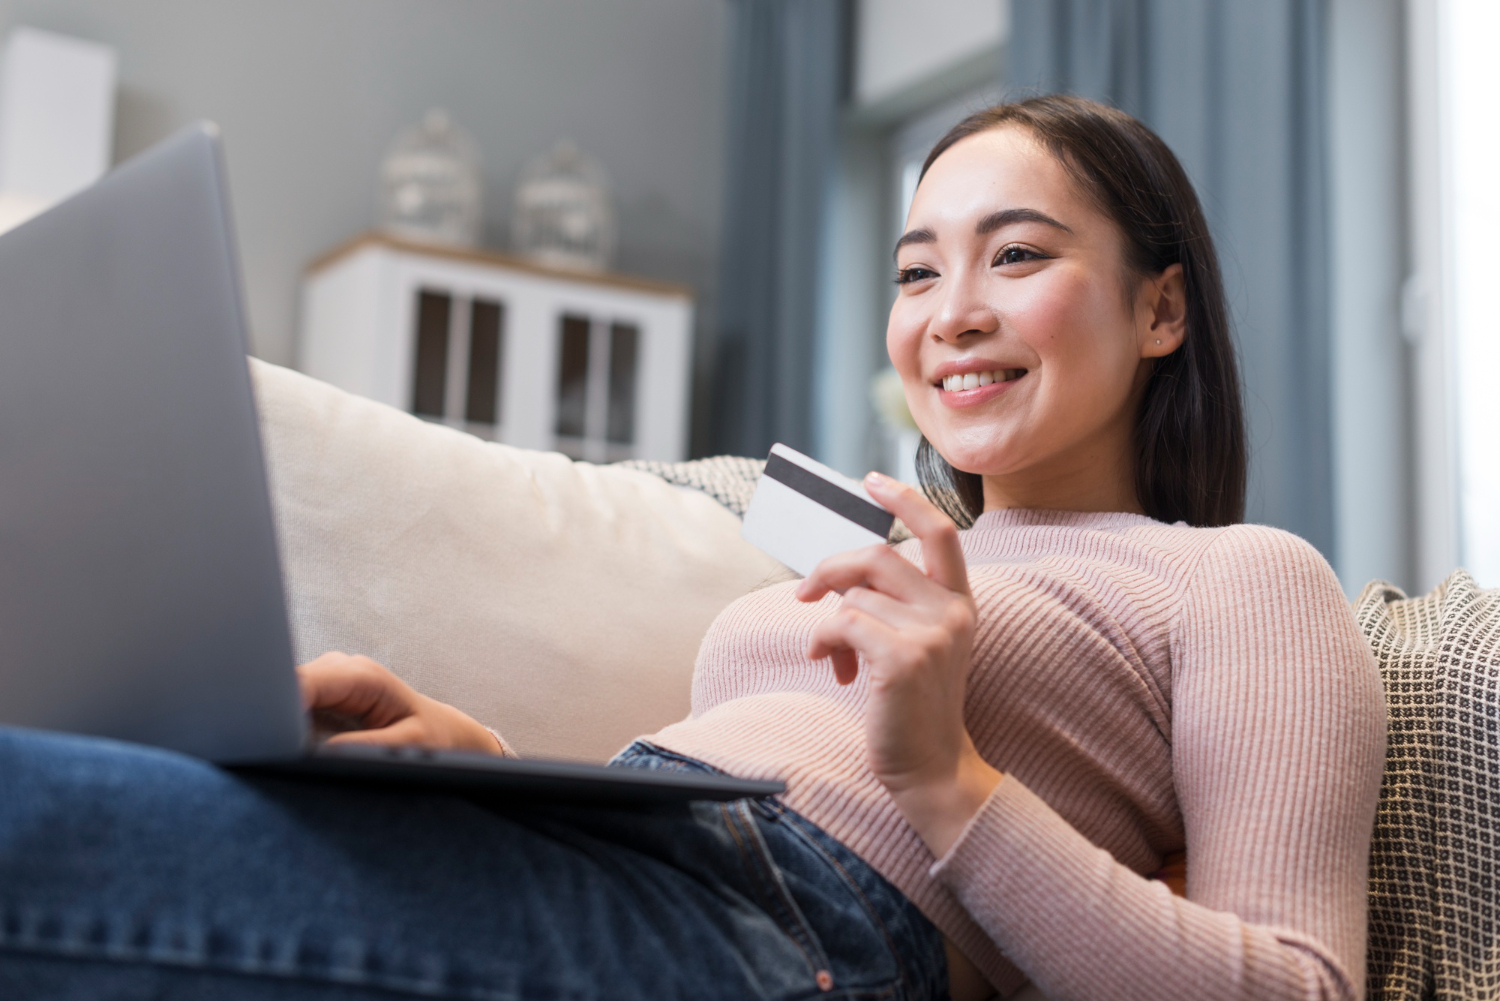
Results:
<point x="1190" y="431"/>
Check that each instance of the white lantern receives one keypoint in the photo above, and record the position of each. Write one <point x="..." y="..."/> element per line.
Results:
<point x="430" y="184"/>
<point x="563" y="215"/>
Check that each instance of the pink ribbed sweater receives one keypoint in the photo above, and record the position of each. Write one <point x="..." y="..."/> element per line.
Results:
<point x="1145" y="688"/>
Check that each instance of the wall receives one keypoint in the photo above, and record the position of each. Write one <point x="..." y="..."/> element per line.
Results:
<point x="1472" y="30"/>
<point x="310" y="92"/>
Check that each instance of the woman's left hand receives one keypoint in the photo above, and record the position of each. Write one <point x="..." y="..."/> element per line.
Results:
<point x="914" y="632"/>
<point x="371" y="705"/>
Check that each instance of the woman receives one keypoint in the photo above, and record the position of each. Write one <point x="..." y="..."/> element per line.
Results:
<point x="988" y="736"/>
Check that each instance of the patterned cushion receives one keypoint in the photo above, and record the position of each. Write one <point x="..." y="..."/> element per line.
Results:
<point x="1434" y="863"/>
<point x="728" y="479"/>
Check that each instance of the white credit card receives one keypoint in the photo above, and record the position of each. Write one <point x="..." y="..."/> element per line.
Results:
<point x="803" y="512"/>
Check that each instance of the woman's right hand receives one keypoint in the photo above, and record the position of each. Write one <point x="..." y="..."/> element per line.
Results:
<point x="912" y="630"/>
<point x="382" y="709"/>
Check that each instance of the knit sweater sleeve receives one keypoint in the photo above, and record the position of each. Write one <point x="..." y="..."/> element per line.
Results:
<point x="1278" y="736"/>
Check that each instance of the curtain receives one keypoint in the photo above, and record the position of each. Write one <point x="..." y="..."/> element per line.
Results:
<point x="1236" y="89"/>
<point x="786" y="84"/>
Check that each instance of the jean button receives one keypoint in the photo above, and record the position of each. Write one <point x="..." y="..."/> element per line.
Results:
<point x="825" y="980"/>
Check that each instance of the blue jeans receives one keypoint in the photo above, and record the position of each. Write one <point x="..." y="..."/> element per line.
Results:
<point x="128" y="872"/>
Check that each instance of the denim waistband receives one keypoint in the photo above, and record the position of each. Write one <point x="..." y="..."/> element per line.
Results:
<point x="828" y="867"/>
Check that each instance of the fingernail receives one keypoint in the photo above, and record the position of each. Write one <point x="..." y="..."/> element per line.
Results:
<point x="875" y="479"/>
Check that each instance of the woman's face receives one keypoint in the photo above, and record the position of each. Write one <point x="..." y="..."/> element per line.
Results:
<point x="1018" y="331"/>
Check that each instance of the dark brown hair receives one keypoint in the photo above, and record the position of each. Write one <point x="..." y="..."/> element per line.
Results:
<point x="1190" y="432"/>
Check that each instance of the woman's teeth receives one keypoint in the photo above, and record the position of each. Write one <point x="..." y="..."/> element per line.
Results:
<point x="973" y="380"/>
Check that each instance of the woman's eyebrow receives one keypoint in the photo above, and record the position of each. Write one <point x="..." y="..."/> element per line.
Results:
<point x="923" y="235"/>
<point x="985" y="226"/>
<point x="1007" y="217"/>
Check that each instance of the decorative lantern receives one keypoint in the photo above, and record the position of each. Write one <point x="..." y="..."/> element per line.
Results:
<point x="563" y="215"/>
<point x="430" y="184"/>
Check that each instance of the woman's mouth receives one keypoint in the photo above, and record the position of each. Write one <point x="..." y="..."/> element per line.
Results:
<point x="974" y="380"/>
<point x="976" y="387"/>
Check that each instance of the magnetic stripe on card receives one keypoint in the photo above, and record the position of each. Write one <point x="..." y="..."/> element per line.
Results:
<point x="835" y="498"/>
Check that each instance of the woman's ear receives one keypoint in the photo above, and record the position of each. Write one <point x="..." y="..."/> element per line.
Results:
<point x="1161" y="313"/>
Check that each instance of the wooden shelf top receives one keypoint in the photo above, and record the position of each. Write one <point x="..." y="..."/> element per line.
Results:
<point x="493" y="258"/>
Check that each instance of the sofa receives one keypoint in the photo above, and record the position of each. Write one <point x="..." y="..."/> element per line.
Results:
<point x="561" y="603"/>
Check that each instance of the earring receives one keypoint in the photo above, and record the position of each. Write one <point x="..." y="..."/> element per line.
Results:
<point x="1158" y="340"/>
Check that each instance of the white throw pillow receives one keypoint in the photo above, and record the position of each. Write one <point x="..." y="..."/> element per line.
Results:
<point x="559" y="602"/>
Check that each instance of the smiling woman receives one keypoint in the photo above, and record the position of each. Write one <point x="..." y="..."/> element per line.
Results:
<point x="1178" y="421"/>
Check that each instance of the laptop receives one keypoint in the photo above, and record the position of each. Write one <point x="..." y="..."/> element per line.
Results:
<point x="140" y="588"/>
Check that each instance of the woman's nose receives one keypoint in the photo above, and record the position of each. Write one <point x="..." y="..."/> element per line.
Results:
<point x="963" y="311"/>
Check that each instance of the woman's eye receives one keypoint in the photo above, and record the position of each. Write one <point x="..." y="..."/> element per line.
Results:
<point x="1017" y="255"/>
<point x="905" y="276"/>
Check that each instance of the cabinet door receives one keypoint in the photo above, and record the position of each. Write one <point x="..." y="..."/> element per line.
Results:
<point x="458" y="359"/>
<point x="596" y="387"/>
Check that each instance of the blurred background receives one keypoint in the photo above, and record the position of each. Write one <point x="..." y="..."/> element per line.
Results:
<point x="662" y="228"/>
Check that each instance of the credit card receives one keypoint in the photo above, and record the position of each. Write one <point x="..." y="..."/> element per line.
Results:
<point x="802" y="512"/>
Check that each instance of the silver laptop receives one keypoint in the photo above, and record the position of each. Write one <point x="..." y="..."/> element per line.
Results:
<point x="140" y="589"/>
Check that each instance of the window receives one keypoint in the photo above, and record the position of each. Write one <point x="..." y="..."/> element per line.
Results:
<point x="1472" y="90"/>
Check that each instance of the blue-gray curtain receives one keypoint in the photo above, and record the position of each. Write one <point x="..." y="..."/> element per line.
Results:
<point x="787" y="60"/>
<point x="1236" y="88"/>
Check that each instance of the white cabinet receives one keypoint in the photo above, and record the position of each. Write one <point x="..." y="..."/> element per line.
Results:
<point x="597" y="366"/>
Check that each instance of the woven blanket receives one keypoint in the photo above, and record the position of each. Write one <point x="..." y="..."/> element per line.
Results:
<point x="1434" y="920"/>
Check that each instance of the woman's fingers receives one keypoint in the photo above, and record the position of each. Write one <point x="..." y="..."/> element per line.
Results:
<point x="430" y="724"/>
<point x="310" y="675"/>
<point x="370" y="705"/>
<point x="941" y="552"/>
<point x="844" y="635"/>
<point x="355" y="687"/>
<point x="402" y="733"/>
<point x="891" y="611"/>
<point x="845" y="665"/>
<point x="839" y="637"/>
<point x="887" y="600"/>
<point x="879" y="568"/>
